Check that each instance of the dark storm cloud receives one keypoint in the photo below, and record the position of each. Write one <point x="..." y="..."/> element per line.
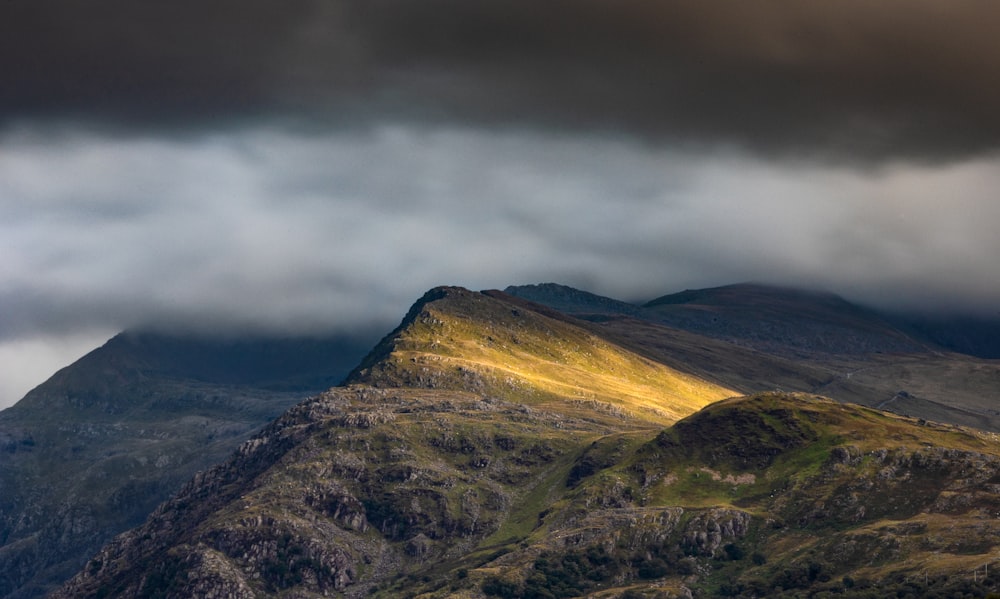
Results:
<point x="851" y="79"/>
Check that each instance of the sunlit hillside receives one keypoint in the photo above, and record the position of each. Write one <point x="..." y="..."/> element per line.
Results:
<point x="494" y="344"/>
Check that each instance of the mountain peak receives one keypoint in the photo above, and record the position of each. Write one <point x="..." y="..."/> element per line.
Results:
<point x="495" y="344"/>
<point x="493" y="446"/>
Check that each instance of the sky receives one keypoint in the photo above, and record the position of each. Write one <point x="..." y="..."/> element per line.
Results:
<point x="310" y="166"/>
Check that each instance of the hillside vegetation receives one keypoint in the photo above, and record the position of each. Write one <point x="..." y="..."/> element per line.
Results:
<point x="416" y="493"/>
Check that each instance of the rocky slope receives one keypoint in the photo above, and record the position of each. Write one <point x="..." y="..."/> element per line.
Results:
<point x="493" y="448"/>
<point x="403" y="493"/>
<point x="93" y="450"/>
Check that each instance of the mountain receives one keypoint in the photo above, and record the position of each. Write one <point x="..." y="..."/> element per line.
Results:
<point x="492" y="447"/>
<point x="93" y="450"/>
<point x="975" y="335"/>
<point x="581" y="304"/>
<point x="793" y="323"/>
<point x="754" y="338"/>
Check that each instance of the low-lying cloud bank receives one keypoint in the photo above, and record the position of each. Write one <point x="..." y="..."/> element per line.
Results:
<point x="264" y="230"/>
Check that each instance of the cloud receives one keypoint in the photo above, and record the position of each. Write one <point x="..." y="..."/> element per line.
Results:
<point x="273" y="231"/>
<point x="852" y="81"/>
<point x="277" y="230"/>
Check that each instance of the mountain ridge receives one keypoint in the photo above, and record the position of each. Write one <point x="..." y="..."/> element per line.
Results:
<point x="850" y="353"/>
<point x="783" y="321"/>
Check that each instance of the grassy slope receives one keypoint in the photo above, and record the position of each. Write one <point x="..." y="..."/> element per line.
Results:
<point x="775" y="495"/>
<point x="494" y="344"/>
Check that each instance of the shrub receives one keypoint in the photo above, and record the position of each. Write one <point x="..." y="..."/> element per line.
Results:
<point x="497" y="587"/>
<point x="733" y="552"/>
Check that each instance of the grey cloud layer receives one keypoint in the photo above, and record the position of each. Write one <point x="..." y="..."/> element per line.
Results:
<point x="850" y="80"/>
<point x="270" y="230"/>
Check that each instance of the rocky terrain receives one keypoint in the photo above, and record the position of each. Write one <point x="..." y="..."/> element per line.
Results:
<point x="491" y="447"/>
<point x="393" y="493"/>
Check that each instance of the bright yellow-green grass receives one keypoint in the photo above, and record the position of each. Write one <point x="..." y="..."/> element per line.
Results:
<point x="551" y="363"/>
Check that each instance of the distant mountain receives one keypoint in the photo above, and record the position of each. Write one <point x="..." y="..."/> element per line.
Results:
<point x="784" y="320"/>
<point x="788" y="322"/>
<point x="756" y="338"/>
<point x="90" y="452"/>
<point x="581" y="304"/>
<point x="975" y="335"/>
<point x="490" y="447"/>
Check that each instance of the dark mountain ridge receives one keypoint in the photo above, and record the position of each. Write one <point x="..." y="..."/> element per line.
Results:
<point x="766" y="317"/>
<point x="789" y="322"/>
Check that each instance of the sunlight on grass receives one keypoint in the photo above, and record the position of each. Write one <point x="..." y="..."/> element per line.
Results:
<point x="550" y="362"/>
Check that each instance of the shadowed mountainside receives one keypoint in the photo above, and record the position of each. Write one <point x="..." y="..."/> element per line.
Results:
<point x="90" y="452"/>
<point x="784" y="322"/>
<point x="755" y="338"/>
